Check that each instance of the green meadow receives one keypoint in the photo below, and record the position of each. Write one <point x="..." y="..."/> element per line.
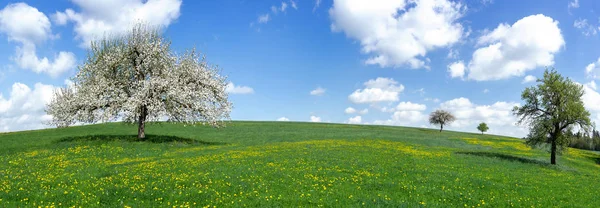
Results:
<point x="287" y="164"/>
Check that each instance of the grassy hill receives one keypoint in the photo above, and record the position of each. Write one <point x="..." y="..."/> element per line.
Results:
<point x="287" y="164"/>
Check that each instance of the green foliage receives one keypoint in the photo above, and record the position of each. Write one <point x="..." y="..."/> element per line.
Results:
<point x="483" y="127"/>
<point x="551" y="107"/>
<point x="276" y="164"/>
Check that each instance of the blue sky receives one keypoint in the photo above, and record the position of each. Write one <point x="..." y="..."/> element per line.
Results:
<point x="470" y="57"/>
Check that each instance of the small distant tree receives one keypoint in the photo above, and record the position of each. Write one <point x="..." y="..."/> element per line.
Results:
<point x="137" y="78"/>
<point x="483" y="127"/>
<point x="551" y="110"/>
<point x="441" y="117"/>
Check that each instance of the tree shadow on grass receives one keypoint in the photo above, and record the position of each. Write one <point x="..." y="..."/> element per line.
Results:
<point x="133" y="138"/>
<point x="504" y="157"/>
<point x="595" y="159"/>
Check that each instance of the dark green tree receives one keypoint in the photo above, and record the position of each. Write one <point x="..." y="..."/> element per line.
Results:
<point x="483" y="127"/>
<point x="551" y="108"/>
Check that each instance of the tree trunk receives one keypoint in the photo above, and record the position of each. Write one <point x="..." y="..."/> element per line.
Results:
<point x="142" y="123"/>
<point x="553" y="153"/>
<point x="441" y="127"/>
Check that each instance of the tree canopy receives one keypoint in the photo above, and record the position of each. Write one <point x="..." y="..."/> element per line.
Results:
<point x="483" y="127"/>
<point x="551" y="109"/>
<point x="441" y="117"/>
<point x="137" y="78"/>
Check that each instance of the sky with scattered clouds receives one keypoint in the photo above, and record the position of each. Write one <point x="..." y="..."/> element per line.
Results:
<point x="387" y="62"/>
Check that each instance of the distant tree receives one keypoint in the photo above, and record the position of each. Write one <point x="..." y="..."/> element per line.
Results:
<point x="137" y="78"/>
<point x="551" y="109"/>
<point x="483" y="127"/>
<point x="441" y="117"/>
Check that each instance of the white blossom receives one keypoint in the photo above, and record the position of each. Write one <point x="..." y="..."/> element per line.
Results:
<point x="137" y="78"/>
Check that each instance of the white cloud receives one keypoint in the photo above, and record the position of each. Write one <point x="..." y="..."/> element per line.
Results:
<point x="406" y="114"/>
<point x="355" y="120"/>
<point x="585" y="28"/>
<point x="24" y="24"/>
<point x="486" y="90"/>
<point x="98" y="18"/>
<point x="283" y="119"/>
<point x="512" y="50"/>
<point x="399" y="33"/>
<point x="350" y="110"/>
<point x="592" y="70"/>
<point x="24" y="109"/>
<point x="29" y="27"/>
<point x="498" y="116"/>
<point x="592" y="85"/>
<point x="315" y="119"/>
<point x="408" y="106"/>
<point x="377" y="90"/>
<point x="283" y="6"/>
<point x="591" y="100"/>
<point x="457" y="69"/>
<point x="318" y="92"/>
<point x="528" y="79"/>
<point x="574" y="4"/>
<point x="232" y="89"/>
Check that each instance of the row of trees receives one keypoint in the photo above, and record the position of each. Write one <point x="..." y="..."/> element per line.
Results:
<point x="584" y="140"/>
<point x="136" y="77"/>
<point x="552" y="109"/>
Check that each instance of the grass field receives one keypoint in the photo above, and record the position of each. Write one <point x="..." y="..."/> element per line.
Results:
<point x="286" y="164"/>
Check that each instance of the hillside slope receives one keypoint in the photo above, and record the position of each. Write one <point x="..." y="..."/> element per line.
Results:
<point x="287" y="164"/>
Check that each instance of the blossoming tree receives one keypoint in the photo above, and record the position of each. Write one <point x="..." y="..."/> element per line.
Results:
<point x="136" y="77"/>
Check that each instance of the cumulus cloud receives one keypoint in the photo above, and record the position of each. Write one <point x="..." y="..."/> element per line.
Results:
<point x="457" y="69"/>
<point x="29" y="27"/>
<point x="24" y="108"/>
<point x="283" y="119"/>
<point x="351" y="110"/>
<point x="399" y="33"/>
<point x="377" y="90"/>
<point x="318" y="92"/>
<point x="592" y="70"/>
<point x="98" y="18"/>
<point x="355" y="120"/>
<point x="408" y="106"/>
<point x="233" y="89"/>
<point x="528" y="79"/>
<point x="591" y="101"/>
<point x="512" y="50"/>
<point x="315" y="119"/>
<point x="405" y="114"/>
